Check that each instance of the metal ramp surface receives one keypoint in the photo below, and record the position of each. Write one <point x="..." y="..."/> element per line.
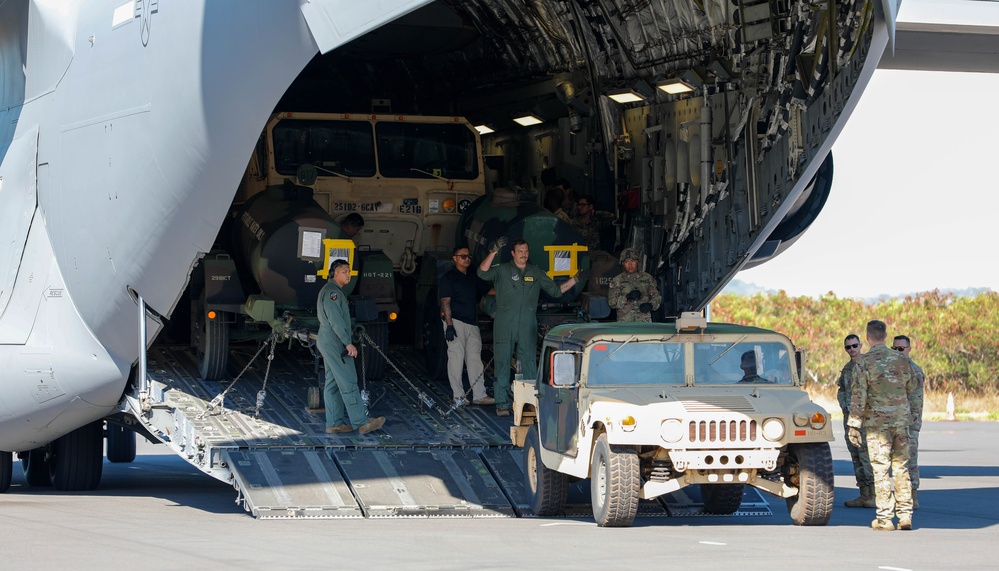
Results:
<point x="424" y="462"/>
<point x="290" y="483"/>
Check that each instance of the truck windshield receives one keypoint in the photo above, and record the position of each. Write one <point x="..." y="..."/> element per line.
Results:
<point x="344" y="147"/>
<point x="746" y="362"/>
<point x="635" y="363"/>
<point x="437" y="149"/>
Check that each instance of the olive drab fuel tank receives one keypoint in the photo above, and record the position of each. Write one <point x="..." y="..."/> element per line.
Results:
<point x="502" y="213"/>
<point x="278" y="237"/>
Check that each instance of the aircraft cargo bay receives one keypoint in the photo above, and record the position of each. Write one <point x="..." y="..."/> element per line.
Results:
<point x="427" y="461"/>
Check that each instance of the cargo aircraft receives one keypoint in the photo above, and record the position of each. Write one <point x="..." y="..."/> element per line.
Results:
<point x="127" y="125"/>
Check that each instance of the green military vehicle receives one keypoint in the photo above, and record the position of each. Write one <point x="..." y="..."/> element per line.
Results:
<point x="645" y="409"/>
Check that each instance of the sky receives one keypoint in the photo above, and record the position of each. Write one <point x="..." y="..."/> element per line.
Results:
<point x="914" y="204"/>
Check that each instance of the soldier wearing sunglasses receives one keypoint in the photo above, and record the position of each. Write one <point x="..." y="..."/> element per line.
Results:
<point x="858" y="454"/>
<point x="902" y="344"/>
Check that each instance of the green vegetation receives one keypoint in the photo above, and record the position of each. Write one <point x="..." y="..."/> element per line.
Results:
<point x="954" y="339"/>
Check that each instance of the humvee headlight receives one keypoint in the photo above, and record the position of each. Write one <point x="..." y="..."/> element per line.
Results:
<point x="773" y="429"/>
<point x="628" y="424"/>
<point x="671" y="430"/>
<point x="800" y="419"/>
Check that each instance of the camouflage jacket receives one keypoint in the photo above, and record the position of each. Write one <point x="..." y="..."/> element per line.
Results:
<point x="590" y="231"/>
<point x="917" y="420"/>
<point x="883" y="390"/>
<point x="843" y="393"/>
<point x="622" y="284"/>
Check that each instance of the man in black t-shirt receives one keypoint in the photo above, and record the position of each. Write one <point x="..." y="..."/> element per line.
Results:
<point x="460" y="292"/>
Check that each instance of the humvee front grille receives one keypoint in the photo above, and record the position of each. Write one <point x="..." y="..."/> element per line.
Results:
<point x="710" y="431"/>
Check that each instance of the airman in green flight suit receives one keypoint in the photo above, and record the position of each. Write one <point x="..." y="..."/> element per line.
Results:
<point x="518" y="285"/>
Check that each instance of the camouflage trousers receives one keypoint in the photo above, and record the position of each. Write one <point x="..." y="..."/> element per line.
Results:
<point x="913" y="464"/>
<point x="861" y="462"/>
<point x="888" y="449"/>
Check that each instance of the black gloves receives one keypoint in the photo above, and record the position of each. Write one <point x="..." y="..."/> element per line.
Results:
<point x="582" y="275"/>
<point x="634" y="295"/>
<point x="645" y="307"/>
<point x="450" y="333"/>
<point x="498" y="244"/>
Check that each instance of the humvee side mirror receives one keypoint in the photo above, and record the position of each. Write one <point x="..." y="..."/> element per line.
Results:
<point x="563" y="369"/>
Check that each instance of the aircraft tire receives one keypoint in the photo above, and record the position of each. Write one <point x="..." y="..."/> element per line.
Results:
<point x="6" y="470"/>
<point x="36" y="468"/>
<point x="78" y="459"/>
<point x="809" y="468"/>
<point x="434" y="346"/>
<point x="722" y="499"/>
<point x="615" y="479"/>
<point x="546" y="488"/>
<point x="121" y="444"/>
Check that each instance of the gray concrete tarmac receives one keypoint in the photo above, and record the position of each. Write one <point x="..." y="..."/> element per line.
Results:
<point x="160" y="513"/>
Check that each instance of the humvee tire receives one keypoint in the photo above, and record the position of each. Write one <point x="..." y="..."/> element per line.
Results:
<point x="546" y="488"/>
<point x="722" y="499"/>
<point x="614" y="483"/>
<point x="809" y="468"/>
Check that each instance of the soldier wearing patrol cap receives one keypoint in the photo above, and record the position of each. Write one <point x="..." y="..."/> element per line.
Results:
<point x="633" y="293"/>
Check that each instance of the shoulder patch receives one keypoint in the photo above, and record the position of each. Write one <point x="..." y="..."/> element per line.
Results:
<point x="334" y="296"/>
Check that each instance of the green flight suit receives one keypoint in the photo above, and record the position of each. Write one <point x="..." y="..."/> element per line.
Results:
<point x="516" y="323"/>
<point x="341" y="394"/>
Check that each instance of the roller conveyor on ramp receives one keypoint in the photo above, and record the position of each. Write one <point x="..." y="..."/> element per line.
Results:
<point x="425" y="462"/>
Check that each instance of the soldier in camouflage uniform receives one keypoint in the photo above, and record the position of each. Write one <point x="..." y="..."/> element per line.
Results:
<point x="633" y="293"/>
<point x="589" y="221"/>
<point x="858" y="454"/>
<point x="901" y="343"/>
<point x="883" y="402"/>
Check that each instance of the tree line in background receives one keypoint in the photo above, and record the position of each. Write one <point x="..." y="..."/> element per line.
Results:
<point x="954" y="339"/>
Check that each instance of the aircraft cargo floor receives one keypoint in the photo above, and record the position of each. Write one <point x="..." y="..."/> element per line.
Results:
<point x="425" y="461"/>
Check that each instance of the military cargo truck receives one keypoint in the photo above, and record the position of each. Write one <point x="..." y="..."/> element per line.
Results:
<point x="409" y="177"/>
<point x="645" y="409"/>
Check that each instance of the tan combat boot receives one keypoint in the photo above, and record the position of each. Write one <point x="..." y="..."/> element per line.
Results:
<point x="905" y="523"/>
<point x="865" y="500"/>
<point x="883" y="525"/>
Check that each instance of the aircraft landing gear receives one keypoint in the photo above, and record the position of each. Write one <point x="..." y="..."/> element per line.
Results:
<point x="6" y="470"/>
<point x="76" y="461"/>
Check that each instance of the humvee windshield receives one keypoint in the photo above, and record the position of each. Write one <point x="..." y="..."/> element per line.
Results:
<point x="747" y="362"/>
<point x="644" y="363"/>
<point x="635" y="363"/>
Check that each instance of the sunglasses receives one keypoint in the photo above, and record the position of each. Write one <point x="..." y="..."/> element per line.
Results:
<point x="462" y="256"/>
<point x="897" y="348"/>
<point x="854" y="346"/>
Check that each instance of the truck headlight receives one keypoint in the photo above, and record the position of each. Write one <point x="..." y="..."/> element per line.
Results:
<point x="773" y="429"/>
<point x="671" y="430"/>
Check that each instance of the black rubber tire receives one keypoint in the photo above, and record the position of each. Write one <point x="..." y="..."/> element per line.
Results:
<point x="77" y="460"/>
<point x="6" y="470"/>
<point x="36" y="468"/>
<point x="722" y="499"/>
<point x="210" y="338"/>
<point x="809" y="468"/>
<point x="615" y="480"/>
<point x="546" y="488"/>
<point x="434" y="345"/>
<point x="374" y="363"/>
<point x="120" y="444"/>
